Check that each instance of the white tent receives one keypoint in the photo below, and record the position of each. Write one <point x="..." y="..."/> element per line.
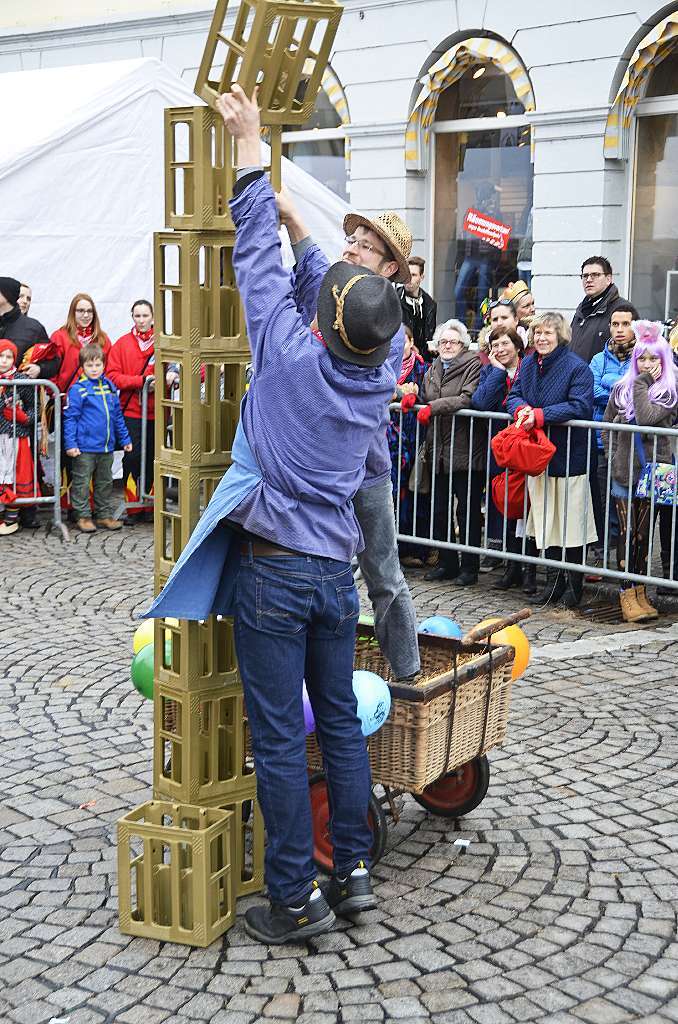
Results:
<point x="81" y="184"/>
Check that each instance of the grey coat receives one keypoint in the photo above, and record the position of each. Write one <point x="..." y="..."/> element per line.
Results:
<point x="647" y="415"/>
<point x="448" y="391"/>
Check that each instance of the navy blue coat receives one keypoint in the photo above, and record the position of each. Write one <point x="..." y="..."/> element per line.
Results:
<point x="562" y="387"/>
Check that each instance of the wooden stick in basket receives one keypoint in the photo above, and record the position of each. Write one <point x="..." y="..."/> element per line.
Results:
<point x="483" y="632"/>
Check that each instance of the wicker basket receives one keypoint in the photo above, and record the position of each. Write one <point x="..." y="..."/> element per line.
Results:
<point x="458" y="711"/>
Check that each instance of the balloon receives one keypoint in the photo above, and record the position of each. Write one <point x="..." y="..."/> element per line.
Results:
<point x="374" y="700"/>
<point x="143" y="635"/>
<point x="309" y="720"/>
<point x="142" y="671"/>
<point x="514" y="637"/>
<point x="440" y="625"/>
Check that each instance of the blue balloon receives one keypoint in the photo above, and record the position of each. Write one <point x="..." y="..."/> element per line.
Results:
<point x="440" y="625"/>
<point x="374" y="700"/>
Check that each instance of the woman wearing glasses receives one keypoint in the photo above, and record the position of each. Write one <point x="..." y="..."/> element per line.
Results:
<point x="82" y="328"/>
<point x="456" y="456"/>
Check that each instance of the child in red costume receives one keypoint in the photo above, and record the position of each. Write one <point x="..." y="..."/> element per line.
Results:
<point x="17" y="418"/>
<point x="131" y="362"/>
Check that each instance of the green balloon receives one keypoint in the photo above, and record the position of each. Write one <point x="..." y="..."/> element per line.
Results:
<point x="142" y="671"/>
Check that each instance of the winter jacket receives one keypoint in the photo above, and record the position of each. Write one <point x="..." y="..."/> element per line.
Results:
<point x="491" y="395"/>
<point x="17" y="408"/>
<point x="69" y="350"/>
<point x="128" y="368"/>
<point x="647" y="414"/>
<point x="422" y="327"/>
<point x="558" y="387"/>
<point x="25" y="332"/>
<point x="591" y="324"/>
<point x="448" y="391"/>
<point x="93" y="420"/>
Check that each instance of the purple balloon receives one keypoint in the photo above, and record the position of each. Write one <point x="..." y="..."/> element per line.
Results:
<point x="309" y="720"/>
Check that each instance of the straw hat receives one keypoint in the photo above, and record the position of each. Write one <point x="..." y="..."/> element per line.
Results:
<point x="393" y="230"/>
<point x="514" y="291"/>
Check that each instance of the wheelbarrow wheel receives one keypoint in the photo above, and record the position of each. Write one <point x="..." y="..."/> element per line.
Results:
<point x="320" y="814"/>
<point x="458" y="792"/>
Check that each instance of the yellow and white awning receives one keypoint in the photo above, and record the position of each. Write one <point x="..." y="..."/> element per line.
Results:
<point x="336" y="95"/>
<point x="650" y="52"/>
<point x="449" y="69"/>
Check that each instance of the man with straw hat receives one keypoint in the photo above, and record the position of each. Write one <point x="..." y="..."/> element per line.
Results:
<point x="383" y="245"/>
<point x="274" y="546"/>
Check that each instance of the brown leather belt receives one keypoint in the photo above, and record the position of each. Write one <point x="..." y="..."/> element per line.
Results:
<point x="264" y="549"/>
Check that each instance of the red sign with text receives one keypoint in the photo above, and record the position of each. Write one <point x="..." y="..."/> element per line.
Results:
<point x="487" y="228"/>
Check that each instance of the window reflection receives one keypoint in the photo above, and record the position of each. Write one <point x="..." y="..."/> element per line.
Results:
<point x="325" y="158"/>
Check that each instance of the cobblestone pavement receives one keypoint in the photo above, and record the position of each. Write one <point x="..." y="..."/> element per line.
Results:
<point x="563" y="908"/>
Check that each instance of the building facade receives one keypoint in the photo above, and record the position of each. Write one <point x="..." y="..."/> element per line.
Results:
<point x="515" y="139"/>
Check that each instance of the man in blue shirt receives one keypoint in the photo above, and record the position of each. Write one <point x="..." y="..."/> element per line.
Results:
<point x="274" y="545"/>
<point x="383" y="245"/>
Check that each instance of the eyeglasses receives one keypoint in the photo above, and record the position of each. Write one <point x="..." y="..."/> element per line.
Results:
<point x="592" y="276"/>
<point x="449" y="341"/>
<point x="85" y="312"/>
<point x="364" y="247"/>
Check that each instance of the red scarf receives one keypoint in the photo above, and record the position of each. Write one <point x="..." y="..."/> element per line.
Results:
<point x="144" y="338"/>
<point x="408" y="365"/>
<point x="84" y="335"/>
<point x="510" y="381"/>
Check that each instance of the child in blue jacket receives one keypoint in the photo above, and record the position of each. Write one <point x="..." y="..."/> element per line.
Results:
<point x="94" y="428"/>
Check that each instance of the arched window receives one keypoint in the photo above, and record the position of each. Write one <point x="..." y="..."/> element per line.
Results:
<point x="481" y="195"/>
<point x="654" y="236"/>
<point x="320" y="146"/>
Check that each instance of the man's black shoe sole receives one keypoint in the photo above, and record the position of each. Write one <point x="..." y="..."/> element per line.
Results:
<point x="325" y="924"/>
<point x="356" y="904"/>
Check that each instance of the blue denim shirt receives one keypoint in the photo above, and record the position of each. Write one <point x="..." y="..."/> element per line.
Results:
<point x="307" y="424"/>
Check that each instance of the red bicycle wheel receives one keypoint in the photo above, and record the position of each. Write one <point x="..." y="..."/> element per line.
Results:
<point x="456" y="793"/>
<point x="323" y="850"/>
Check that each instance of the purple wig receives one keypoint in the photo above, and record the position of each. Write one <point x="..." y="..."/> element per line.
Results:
<point x="663" y="392"/>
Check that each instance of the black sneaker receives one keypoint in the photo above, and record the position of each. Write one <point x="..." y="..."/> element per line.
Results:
<point x="352" y="894"/>
<point x="277" y="923"/>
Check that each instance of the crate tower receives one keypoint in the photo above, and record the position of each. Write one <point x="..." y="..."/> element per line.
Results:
<point x="199" y="763"/>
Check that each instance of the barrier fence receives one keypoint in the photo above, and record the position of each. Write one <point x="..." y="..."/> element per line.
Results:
<point x="522" y="540"/>
<point x="39" y="440"/>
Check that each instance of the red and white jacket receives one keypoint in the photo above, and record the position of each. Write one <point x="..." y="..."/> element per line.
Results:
<point x="69" y="352"/>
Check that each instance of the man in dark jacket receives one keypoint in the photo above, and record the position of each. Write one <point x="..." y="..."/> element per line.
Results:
<point x="22" y="330"/>
<point x="590" y="323"/>
<point x="419" y="309"/>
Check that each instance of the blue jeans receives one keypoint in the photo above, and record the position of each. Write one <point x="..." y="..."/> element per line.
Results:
<point x="296" y="618"/>
<point x="468" y="272"/>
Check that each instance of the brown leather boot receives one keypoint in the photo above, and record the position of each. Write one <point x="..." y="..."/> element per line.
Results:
<point x="110" y="524"/>
<point x="86" y="526"/>
<point x="642" y="599"/>
<point x="631" y="610"/>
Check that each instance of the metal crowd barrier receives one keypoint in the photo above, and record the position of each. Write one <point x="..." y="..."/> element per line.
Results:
<point x="490" y="423"/>
<point x="144" y="499"/>
<point x="36" y="435"/>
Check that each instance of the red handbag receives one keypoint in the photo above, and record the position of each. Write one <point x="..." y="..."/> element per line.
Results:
<point x="526" y="451"/>
<point x="515" y="505"/>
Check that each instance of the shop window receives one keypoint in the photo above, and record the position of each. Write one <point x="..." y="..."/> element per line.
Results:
<point x="323" y="157"/>
<point x="482" y="195"/>
<point x="654" y="258"/>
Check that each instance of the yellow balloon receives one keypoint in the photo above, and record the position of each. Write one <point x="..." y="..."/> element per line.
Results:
<point x="143" y="635"/>
<point x="514" y="637"/>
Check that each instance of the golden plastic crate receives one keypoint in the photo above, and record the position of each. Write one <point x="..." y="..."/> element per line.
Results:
<point x="248" y="846"/>
<point x="196" y="300"/>
<point x="175" y="872"/>
<point x="199" y="746"/>
<point x="199" y="170"/>
<point x="281" y="46"/>
<point x="197" y="417"/>
<point x="195" y="656"/>
<point x="181" y="496"/>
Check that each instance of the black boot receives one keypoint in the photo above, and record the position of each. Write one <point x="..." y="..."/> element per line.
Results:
<point x="575" y="580"/>
<point x="513" y="577"/>
<point x="530" y="579"/>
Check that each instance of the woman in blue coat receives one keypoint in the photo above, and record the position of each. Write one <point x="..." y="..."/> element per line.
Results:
<point x="554" y="386"/>
<point x="505" y="355"/>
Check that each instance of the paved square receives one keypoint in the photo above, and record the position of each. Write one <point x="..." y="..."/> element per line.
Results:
<point x="562" y="909"/>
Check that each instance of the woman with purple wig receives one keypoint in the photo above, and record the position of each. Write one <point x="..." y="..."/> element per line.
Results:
<point x="648" y="396"/>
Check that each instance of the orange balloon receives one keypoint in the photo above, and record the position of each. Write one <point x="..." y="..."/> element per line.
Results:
<point x="514" y="637"/>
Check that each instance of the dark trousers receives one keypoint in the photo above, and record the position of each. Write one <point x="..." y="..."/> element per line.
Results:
<point x="131" y="463"/>
<point x="98" y="468"/>
<point x="295" y="619"/>
<point x="462" y="483"/>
